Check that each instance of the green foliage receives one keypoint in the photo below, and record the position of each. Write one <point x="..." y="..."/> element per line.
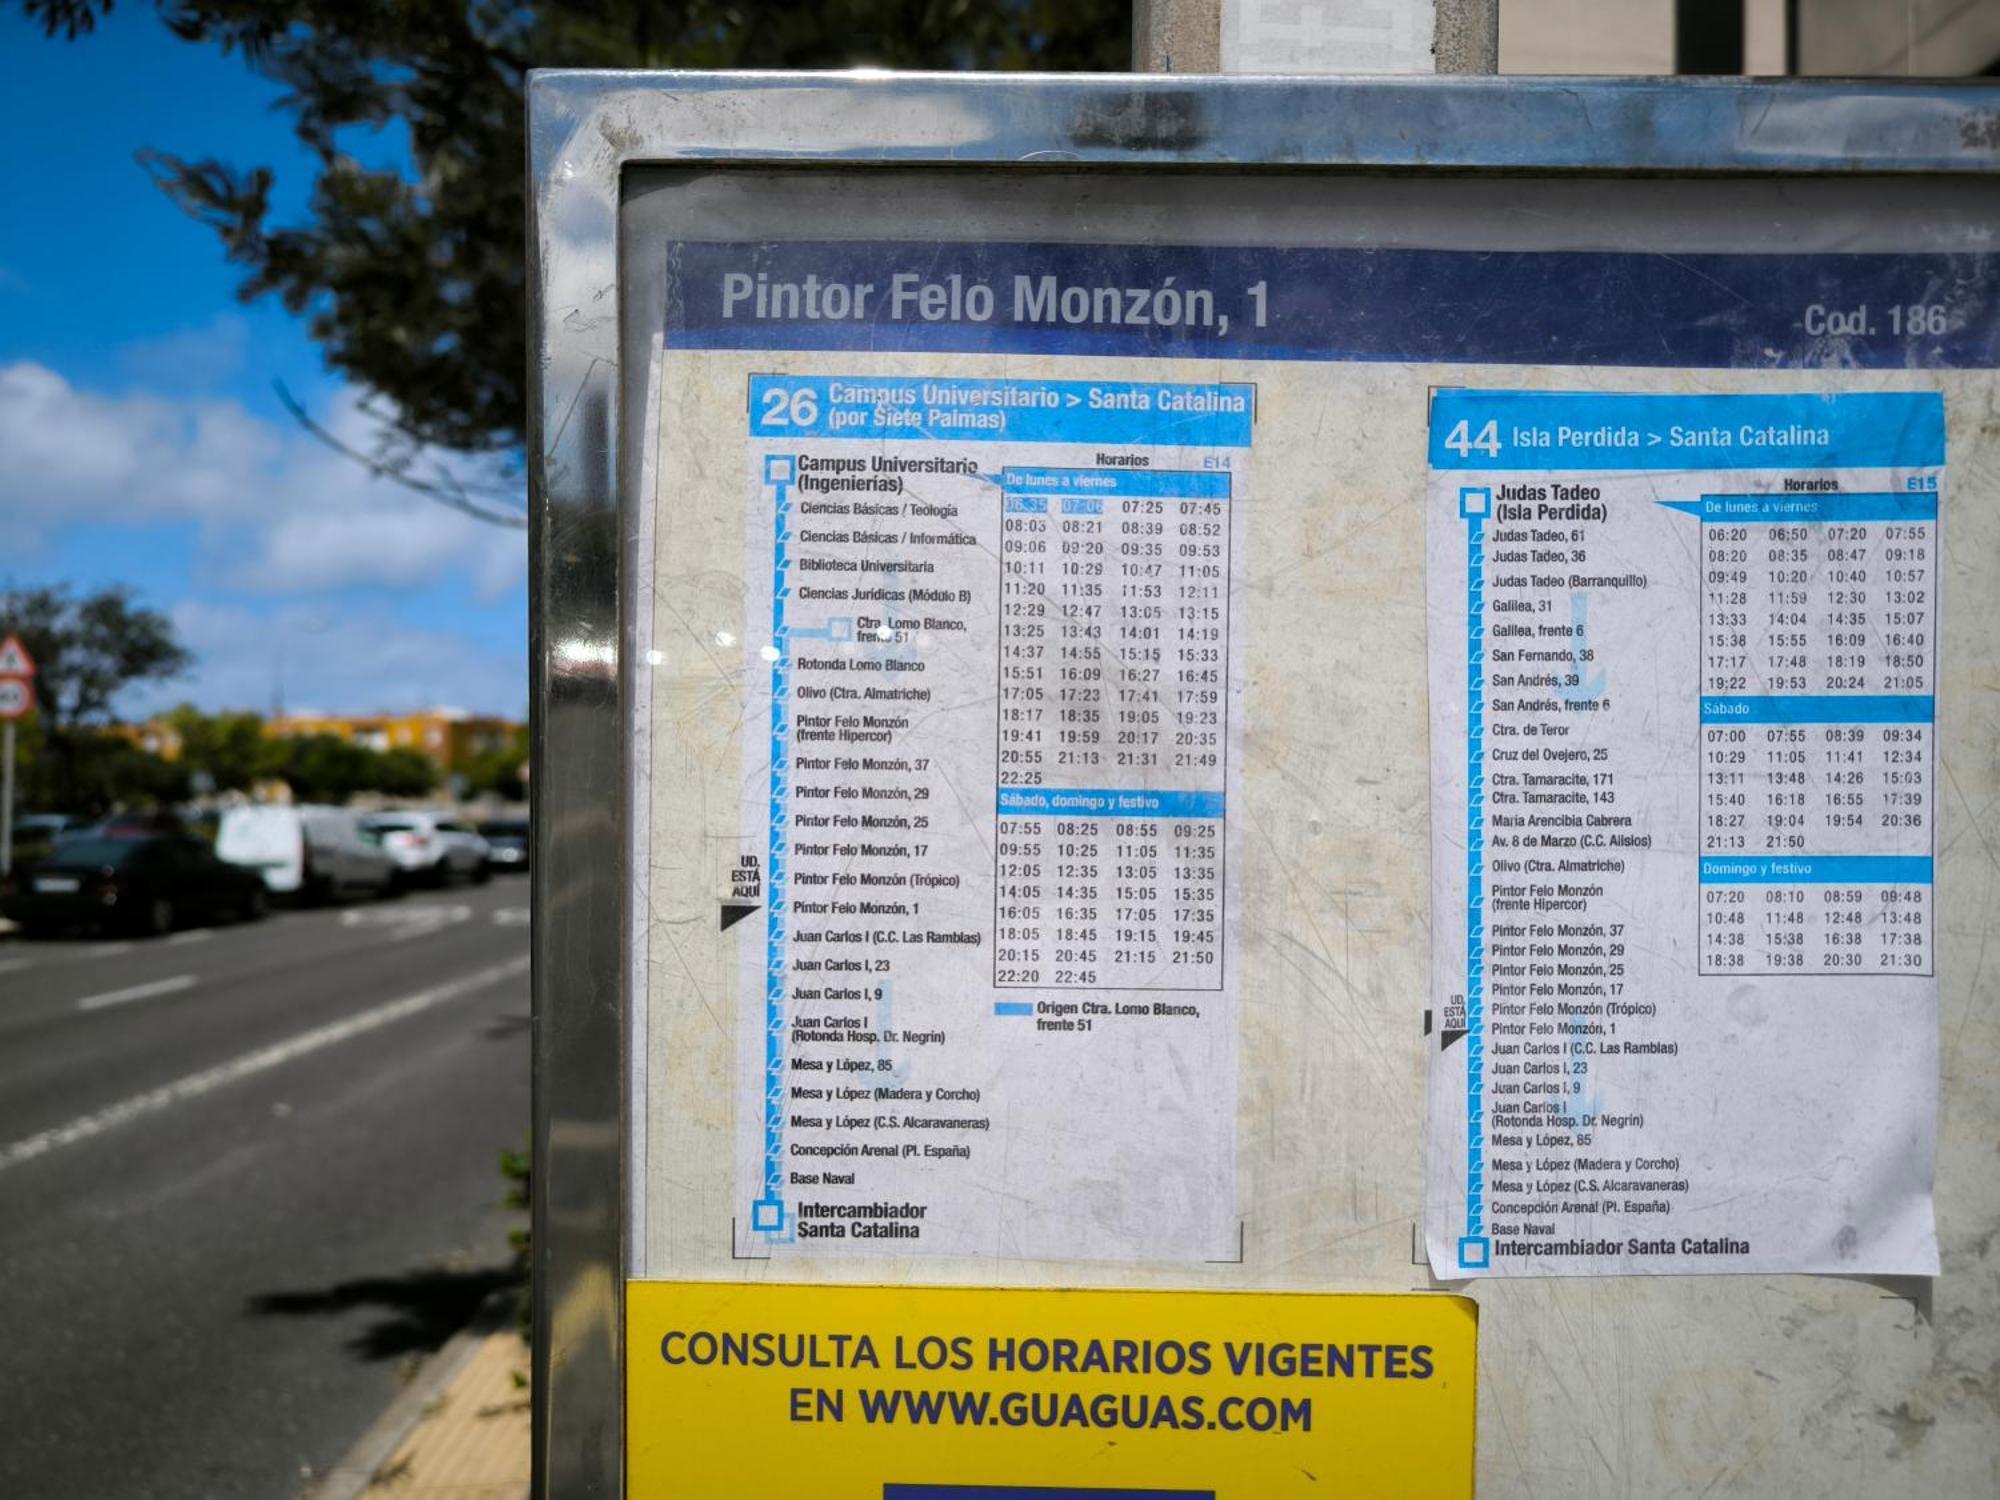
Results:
<point x="517" y="1168"/>
<point x="499" y="771"/>
<point x="107" y="771"/>
<point x="234" y="753"/>
<point x="414" y="285"/>
<point x="326" y="768"/>
<point x="69" y="18"/>
<point x="403" y="772"/>
<point x="90" y="773"/>
<point x="229" y="748"/>
<point x="320" y="767"/>
<point x="87" y="650"/>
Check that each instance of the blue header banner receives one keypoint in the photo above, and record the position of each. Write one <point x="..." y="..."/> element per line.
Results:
<point x="1780" y="311"/>
<point x="1544" y="430"/>
<point x="1108" y="802"/>
<point x="1125" y="413"/>
<point x="1823" y="708"/>
<point x="1157" y="484"/>
<point x="1818" y="869"/>
<point x="1788" y="509"/>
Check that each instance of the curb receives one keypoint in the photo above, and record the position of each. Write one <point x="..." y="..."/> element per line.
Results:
<point x="359" y="1467"/>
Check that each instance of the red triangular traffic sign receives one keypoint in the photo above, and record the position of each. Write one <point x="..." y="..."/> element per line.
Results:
<point x="14" y="658"/>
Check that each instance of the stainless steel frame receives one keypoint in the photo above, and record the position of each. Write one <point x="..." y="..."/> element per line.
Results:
<point x="587" y="128"/>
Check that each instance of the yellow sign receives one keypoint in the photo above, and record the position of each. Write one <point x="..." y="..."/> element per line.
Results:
<point x="934" y="1393"/>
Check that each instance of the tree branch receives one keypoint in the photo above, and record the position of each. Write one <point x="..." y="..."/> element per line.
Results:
<point x="445" y="488"/>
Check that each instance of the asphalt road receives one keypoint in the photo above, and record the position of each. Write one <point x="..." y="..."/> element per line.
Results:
<point x="248" y="1176"/>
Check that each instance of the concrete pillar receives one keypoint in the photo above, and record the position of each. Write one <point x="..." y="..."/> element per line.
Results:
<point x="1316" y="36"/>
<point x="1468" y="36"/>
<point x="1177" y="36"/>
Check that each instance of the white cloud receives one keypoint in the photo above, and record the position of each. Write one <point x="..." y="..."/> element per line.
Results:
<point x="407" y="549"/>
<point x="73" y="456"/>
<point x="333" y="658"/>
<point x="279" y="511"/>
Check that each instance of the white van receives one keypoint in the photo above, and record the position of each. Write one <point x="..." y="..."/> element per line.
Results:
<point x="312" y="853"/>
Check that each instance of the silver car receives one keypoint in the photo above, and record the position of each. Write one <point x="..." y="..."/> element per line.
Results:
<point x="507" y="841"/>
<point x="308" y="853"/>
<point x="431" y="848"/>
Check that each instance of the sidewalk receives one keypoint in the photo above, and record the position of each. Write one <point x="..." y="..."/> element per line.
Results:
<point x="460" y="1431"/>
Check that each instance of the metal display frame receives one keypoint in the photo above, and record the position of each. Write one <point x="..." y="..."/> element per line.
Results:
<point x="586" y="129"/>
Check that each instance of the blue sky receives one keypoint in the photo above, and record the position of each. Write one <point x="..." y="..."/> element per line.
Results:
<point x="141" y="441"/>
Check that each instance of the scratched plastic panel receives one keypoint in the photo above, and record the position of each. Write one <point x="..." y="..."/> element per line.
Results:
<point x="1374" y="294"/>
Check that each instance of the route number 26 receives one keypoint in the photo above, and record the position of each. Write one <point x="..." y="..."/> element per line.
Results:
<point x="795" y="408"/>
<point x="1461" y="441"/>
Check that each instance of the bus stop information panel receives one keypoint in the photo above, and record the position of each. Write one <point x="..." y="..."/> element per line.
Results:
<point x="1057" y="955"/>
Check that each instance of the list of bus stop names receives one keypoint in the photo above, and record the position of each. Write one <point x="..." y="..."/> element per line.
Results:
<point x="994" y="808"/>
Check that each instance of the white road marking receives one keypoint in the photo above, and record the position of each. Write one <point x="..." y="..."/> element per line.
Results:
<point x="182" y="939"/>
<point x="425" y="929"/>
<point x="107" y="950"/>
<point x="249" y="1064"/>
<point x="408" y="921"/>
<point x="511" y="916"/>
<point x="137" y="992"/>
<point x="432" y="919"/>
<point x="11" y="965"/>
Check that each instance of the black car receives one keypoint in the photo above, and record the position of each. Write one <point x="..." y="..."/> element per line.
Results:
<point x="37" y="833"/>
<point x="48" y="828"/>
<point x="507" y="840"/>
<point x="146" y="883"/>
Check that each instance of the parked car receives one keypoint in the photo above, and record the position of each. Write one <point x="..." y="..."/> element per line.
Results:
<point x="430" y="847"/>
<point x="47" y="828"/>
<point x="37" y="833"/>
<point x="148" y="883"/>
<point x="127" y="825"/>
<point x="506" y="842"/>
<point x="306" y="852"/>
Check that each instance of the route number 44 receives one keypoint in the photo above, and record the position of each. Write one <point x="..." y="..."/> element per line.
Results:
<point x="1461" y="441"/>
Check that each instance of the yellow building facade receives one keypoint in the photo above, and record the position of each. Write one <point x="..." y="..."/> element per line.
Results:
<point x="448" y="737"/>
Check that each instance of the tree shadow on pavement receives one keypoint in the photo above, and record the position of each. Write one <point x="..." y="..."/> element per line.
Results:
<point x="422" y="1309"/>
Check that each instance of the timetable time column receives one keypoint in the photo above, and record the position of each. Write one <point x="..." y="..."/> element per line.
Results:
<point x="1817" y="720"/>
<point x="1112" y="800"/>
<point x="1028" y="711"/>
